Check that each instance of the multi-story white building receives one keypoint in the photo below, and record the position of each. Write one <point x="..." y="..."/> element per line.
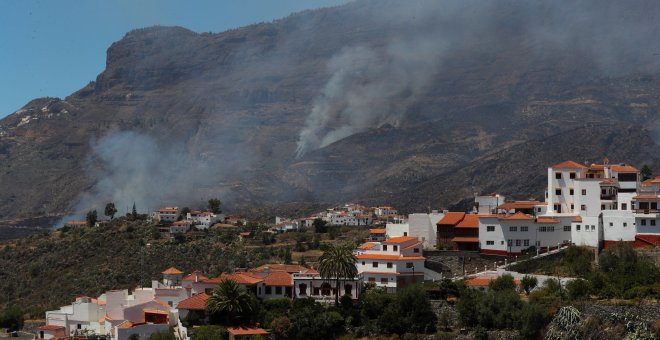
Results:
<point x="391" y="264"/>
<point x="204" y="219"/>
<point x="420" y="225"/>
<point x="167" y="214"/>
<point x="596" y="205"/>
<point x="385" y="211"/>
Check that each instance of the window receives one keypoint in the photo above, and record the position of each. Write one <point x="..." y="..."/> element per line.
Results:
<point x="502" y="242"/>
<point x="643" y="221"/>
<point x="303" y="289"/>
<point x="79" y="326"/>
<point x="577" y="227"/>
<point x="513" y="228"/>
<point x="624" y="206"/>
<point x="572" y="207"/>
<point x="169" y="303"/>
<point x="372" y="279"/>
<point x="384" y="247"/>
<point x="269" y="290"/>
<point x="509" y="242"/>
<point x="584" y="192"/>
<point x="567" y="228"/>
<point x="524" y="228"/>
<point x="625" y="224"/>
<point x="593" y="227"/>
<point x="395" y="248"/>
<point x="375" y="264"/>
<point x="571" y="175"/>
<point x="526" y="243"/>
<point x="571" y="192"/>
<point x="652" y="222"/>
<point x="558" y="192"/>
<point x="278" y="290"/>
<point x="538" y="209"/>
<point x="409" y="265"/>
<point x="542" y="229"/>
<point x="405" y="233"/>
<point x="611" y="224"/>
<point x="348" y="289"/>
<point x="363" y="263"/>
<point x="490" y="228"/>
<point x="518" y="242"/>
<point x="383" y="280"/>
<point x="389" y="264"/>
<point x="490" y="243"/>
<point x="583" y="207"/>
<point x="415" y="250"/>
<point x="557" y="208"/>
<point x="558" y="175"/>
<point x="602" y="207"/>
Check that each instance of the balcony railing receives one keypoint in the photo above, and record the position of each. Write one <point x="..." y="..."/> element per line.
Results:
<point x="646" y="211"/>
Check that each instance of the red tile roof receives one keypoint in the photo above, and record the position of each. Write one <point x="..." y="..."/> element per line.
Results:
<point x="651" y="181"/>
<point x="377" y="231"/>
<point x="278" y="278"/>
<point x="465" y="239"/>
<point x="172" y="271"/>
<point x="198" y="273"/>
<point x="646" y="197"/>
<point x="195" y="302"/>
<point x="547" y="220"/>
<point x="51" y="328"/>
<point x="568" y="165"/>
<point x="246" y="331"/>
<point x="240" y="278"/>
<point x="399" y="240"/>
<point x="388" y="257"/>
<point x="469" y="222"/>
<point x="367" y="245"/>
<point x="485" y="281"/>
<point x="517" y="216"/>
<point x="623" y="168"/>
<point x="452" y="218"/>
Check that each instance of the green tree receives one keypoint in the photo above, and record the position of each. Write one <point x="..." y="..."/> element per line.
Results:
<point x="528" y="283"/>
<point x="164" y="335"/>
<point x="231" y="303"/>
<point x="502" y="283"/>
<point x="91" y="218"/>
<point x="336" y="263"/>
<point x="211" y="332"/>
<point x="281" y="327"/>
<point x="287" y="256"/>
<point x="110" y="210"/>
<point x="12" y="318"/>
<point x="646" y="172"/>
<point x="319" y="226"/>
<point x="134" y="213"/>
<point x="214" y="205"/>
<point x="577" y="289"/>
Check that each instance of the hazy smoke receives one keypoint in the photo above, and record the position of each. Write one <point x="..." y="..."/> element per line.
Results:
<point x="368" y="89"/>
<point x="135" y="168"/>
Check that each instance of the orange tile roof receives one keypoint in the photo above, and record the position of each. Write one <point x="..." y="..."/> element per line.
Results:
<point x="168" y="210"/>
<point x="651" y="181"/>
<point x="452" y="218"/>
<point x="577" y="219"/>
<point x="388" y="257"/>
<point x="172" y="271"/>
<point x="568" y="165"/>
<point x="246" y="331"/>
<point x="377" y="231"/>
<point x="547" y="220"/>
<point x="399" y="239"/>
<point x="191" y="276"/>
<point x="156" y="311"/>
<point x="646" y="197"/>
<point x="517" y="216"/>
<point x="484" y="281"/>
<point x="240" y="278"/>
<point x="465" y="239"/>
<point x="367" y="245"/>
<point x="76" y="223"/>
<point x="624" y="168"/>
<point x="469" y="222"/>
<point x="195" y="302"/>
<point x="51" y="328"/>
<point x="412" y="245"/>
<point x="278" y="278"/>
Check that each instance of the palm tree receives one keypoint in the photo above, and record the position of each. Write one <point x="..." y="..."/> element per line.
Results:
<point x="338" y="262"/>
<point x="231" y="301"/>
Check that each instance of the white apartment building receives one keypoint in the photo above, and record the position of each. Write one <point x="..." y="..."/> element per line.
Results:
<point x="204" y="219"/>
<point x="596" y="205"/>
<point x="420" y="225"/>
<point x="167" y="214"/>
<point x="391" y="264"/>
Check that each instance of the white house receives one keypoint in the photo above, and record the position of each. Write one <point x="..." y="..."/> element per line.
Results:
<point x="204" y="219"/>
<point x="310" y="284"/>
<point x="167" y="214"/>
<point x="391" y="264"/>
<point x="420" y="225"/>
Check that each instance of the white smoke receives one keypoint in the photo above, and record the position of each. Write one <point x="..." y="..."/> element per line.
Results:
<point x="369" y="88"/>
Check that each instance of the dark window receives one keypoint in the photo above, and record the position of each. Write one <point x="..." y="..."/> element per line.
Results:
<point x="584" y="192"/>
<point x="572" y="206"/>
<point x="652" y="222"/>
<point x="643" y="221"/>
<point x="558" y="192"/>
<point x="384" y="247"/>
<point x="627" y="177"/>
<point x="409" y="265"/>
<point x="389" y="264"/>
<point x="624" y="206"/>
<point x="518" y="242"/>
<point x="558" y="175"/>
<point x="567" y="228"/>
<point x="490" y="243"/>
<point x="303" y="289"/>
<point x="395" y="248"/>
<point x="577" y="227"/>
<point x="405" y="233"/>
<point x="348" y="289"/>
<point x="375" y="264"/>
<point x="571" y="191"/>
<point x="363" y="263"/>
<point x="490" y="228"/>
<point x="583" y="207"/>
<point x="416" y="250"/>
<point x="269" y="290"/>
<point x="278" y="290"/>
<point x="572" y="175"/>
<point x="383" y="280"/>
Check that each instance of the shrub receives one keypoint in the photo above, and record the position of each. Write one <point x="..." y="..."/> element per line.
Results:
<point x="209" y="333"/>
<point x="528" y="283"/>
<point x="577" y="289"/>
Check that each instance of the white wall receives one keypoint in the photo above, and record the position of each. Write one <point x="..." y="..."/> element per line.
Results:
<point x="618" y="225"/>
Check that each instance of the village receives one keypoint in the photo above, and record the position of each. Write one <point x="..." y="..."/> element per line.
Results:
<point x="596" y="206"/>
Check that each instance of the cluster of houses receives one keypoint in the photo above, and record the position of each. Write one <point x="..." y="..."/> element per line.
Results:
<point x="592" y="205"/>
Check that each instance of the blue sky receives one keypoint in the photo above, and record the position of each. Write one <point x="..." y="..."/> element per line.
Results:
<point x="53" y="48"/>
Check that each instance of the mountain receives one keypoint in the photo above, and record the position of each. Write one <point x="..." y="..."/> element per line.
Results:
<point x="417" y="104"/>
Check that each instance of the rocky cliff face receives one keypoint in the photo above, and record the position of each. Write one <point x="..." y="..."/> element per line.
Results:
<point x="419" y="105"/>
